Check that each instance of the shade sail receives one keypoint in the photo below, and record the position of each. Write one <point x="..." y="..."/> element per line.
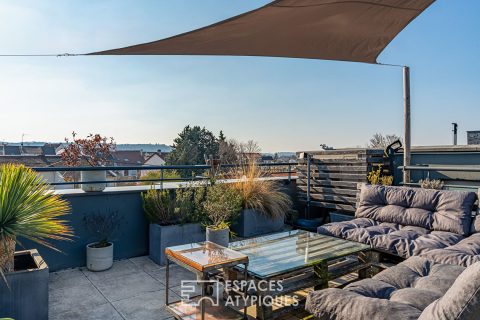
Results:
<point x="352" y="30"/>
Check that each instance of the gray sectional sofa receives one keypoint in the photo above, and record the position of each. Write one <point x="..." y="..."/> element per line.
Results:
<point x="440" y="240"/>
<point x="414" y="222"/>
<point x="414" y="289"/>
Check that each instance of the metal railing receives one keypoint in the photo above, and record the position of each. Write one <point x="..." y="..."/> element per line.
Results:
<point x="286" y="168"/>
<point x="445" y="168"/>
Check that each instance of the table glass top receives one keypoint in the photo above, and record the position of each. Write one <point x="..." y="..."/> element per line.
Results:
<point x="291" y="250"/>
<point x="205" y="254"/>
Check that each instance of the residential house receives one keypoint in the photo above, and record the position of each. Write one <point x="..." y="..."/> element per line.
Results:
<point x="39" y="161"/>
<point x="128" y="158"/>
<point x="153" y="159"/>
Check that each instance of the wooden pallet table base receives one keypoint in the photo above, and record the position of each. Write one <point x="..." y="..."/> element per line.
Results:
<point x="298" y="260"/>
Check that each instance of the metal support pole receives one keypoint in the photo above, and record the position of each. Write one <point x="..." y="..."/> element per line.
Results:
<point x="309" y="176"/>
<point x="167" y="276"/>
<point x="407" y="129"/>
<point x="455" y="131"/>
<point x="289" y="173"/>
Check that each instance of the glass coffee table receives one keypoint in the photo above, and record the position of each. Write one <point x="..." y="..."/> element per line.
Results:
<point x="298" y="260"/>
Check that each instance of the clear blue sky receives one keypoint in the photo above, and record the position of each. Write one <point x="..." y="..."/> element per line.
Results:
<point x="284" y="104"/>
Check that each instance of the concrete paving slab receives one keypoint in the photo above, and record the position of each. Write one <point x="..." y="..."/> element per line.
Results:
<point x="81" y="297"/>
<point x="128" y="286"/>
<point x="177" y="274"/>
<point x="100" y="312"/>
<point x="119" y="269"/>
<point x="147" y="306"/>
<point x="67" y="278"/>
<point x="145" y="263"/>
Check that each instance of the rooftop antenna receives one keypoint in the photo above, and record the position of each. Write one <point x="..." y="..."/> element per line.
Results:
<point x="21" y="143"/>
<point x="454" y="130"/>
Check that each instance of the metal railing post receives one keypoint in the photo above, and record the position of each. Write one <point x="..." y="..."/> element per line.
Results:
<point x="289" y="173"/>
<point x="161" y="178"/>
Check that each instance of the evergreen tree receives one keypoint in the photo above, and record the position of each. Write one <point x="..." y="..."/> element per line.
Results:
<point x="191" y="147"/>
<point x="221" y="137"/>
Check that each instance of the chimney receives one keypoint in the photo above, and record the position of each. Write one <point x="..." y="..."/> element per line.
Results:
<point x="454" y="130"/>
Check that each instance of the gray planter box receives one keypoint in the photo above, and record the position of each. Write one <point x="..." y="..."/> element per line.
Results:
<point x="167" y="236"/>
<point x="220" y="237"/>
<point x="252" y="223"/>
<point x="27" y="297"/>
<point x="339" y="217"/>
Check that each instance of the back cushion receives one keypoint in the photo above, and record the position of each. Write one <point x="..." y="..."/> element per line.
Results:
<point x="475" y="225"/>
<point x="461" y="301"/>
<point x="439" y="210"/>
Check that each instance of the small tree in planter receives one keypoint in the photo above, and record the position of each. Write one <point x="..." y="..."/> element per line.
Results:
<point x="223" y="203"/>
<point x="28" y="209"/>
<point x="264" y="204"/>
<point x="175" y="218"/>
<point x="95" y="151"/>
<point x="102" y="226"/>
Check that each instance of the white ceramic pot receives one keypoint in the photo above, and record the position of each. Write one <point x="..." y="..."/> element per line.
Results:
<point x="99" y="259"/>
<point x="93" y="176"/>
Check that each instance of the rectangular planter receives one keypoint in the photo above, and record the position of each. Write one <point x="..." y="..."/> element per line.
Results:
<point x="339" y="217"/>
<point x="252" y="223"/>
<point x="167" y="236"/>
<point x="27" y="297"/>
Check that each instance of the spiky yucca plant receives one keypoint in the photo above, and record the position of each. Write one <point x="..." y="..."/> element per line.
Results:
<point x="259" y="193"/>
<point x="28" y="209"/>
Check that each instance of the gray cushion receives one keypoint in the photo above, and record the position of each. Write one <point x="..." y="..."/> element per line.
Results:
<point x="461" y="301"/>
<point x="475" y="225"/>
<point x="404" y="241"/>
<point x="400" y="292"/>
<point x="440" y="210"/>
<point x="464" y="253"/>
<point x="337" y="304"/>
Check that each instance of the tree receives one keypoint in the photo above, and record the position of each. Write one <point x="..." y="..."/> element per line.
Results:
<point x="191" y="147"/>
<point x="94" y="150"/>
<point x="221" y="136"/>
<point x="228" y="151"/>
<point x="380" y="141"/>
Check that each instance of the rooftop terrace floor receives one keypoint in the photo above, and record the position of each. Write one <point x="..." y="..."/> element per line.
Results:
<point x="132" y="289"/>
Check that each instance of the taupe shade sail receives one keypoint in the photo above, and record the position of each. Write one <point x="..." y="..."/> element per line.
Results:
<point x="352" y="30"/>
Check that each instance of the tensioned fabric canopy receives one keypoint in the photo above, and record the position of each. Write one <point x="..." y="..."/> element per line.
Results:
<point x="354" y="30"/>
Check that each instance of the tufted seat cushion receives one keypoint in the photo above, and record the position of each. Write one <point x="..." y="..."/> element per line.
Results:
<point x="464" y="253"/>
<point x="404" y="241"/>
<point x="403" y="292"/>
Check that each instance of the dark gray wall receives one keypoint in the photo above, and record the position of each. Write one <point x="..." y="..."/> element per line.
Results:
<point x="442" y="158"/>
<point x="131" y="240"/>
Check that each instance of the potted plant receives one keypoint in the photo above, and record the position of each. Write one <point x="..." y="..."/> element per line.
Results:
<point x="264" y="204"/>
<point x="103" y="226"/>
<point x="221" y="206"/>
<point x="94" y="151"/>
<point x="175" y="218"/>
<point x="29" y="210"/>
<point x="378" y="177"/>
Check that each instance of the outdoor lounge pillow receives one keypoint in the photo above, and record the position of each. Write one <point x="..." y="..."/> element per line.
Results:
<point x="439" y="210"/>
<point x="475" y="225"/>
<point x="461" y="301"/>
